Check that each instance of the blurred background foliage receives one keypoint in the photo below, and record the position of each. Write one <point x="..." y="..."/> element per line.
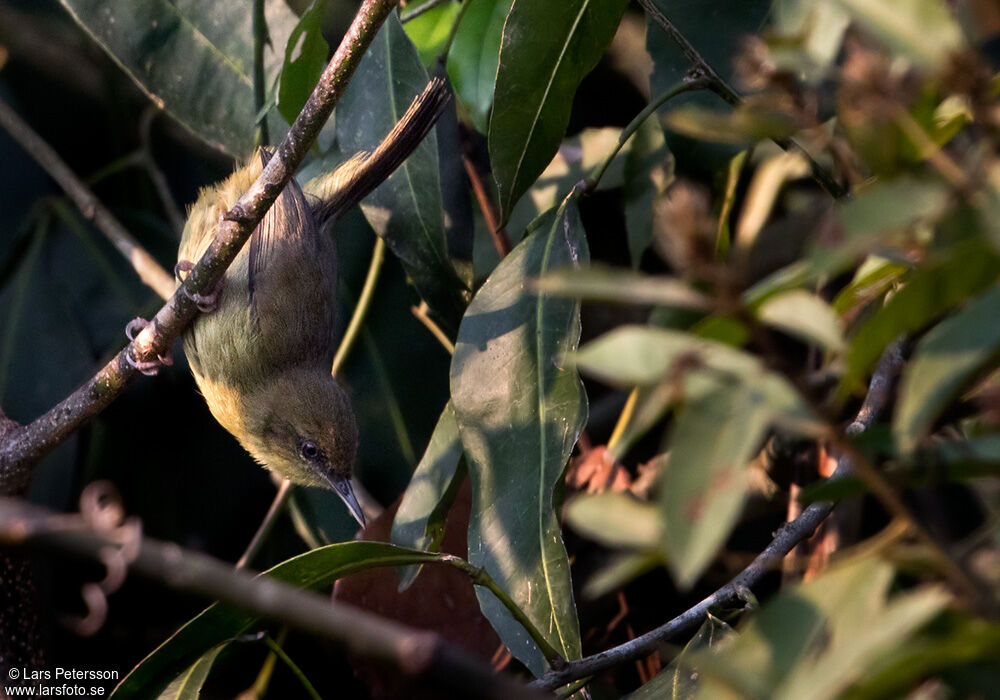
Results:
<point x="777" y="305"/>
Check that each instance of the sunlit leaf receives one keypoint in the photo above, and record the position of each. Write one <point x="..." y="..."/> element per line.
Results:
<point x="742" y="125"/>
<point x="601" y="283"/>
<point x="415" y="525"/>
<point x="305" y="58"/>
<point x="924" y="31"/>
<point x="547" y="49"/>
<point x="951" y="354"/>
<point x="430" y="30"/>
<point x="817" y="639"/>
<point x="474" y="55"/>
<point x="520" y="409"/>
<point x="187" y="686"/>
<point x="705" y="479"/>
<point x="615" y="519"/>
<point x="804" y="316"/>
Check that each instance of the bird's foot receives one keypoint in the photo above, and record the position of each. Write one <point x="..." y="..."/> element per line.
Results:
<point x="206" y="303"/>
<point x="152" y="367"/>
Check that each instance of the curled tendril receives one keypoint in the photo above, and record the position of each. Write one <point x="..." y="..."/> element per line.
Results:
<point x="102" y="510"/>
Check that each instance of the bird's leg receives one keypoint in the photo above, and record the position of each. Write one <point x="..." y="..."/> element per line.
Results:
<point x="206" y="303"/>
<point x="153" y="366"/>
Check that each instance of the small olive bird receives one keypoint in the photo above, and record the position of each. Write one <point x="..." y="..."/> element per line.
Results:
<point x="262" y="351"/>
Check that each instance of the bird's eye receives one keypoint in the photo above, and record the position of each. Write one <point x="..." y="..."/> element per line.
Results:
<point x="309" y="450"/>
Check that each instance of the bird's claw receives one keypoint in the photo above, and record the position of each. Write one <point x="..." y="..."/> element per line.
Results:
<point x="152" y="367"/>
<point x="206" y="303"/>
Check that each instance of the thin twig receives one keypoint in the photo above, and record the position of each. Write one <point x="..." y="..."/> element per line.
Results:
<point x="362" y="307"/>
<point x="421" y="312"/>
<point x="30" y="443"/>
<point x="405" y="17"/>
<point x="414" y="652"/>
<point x="489" y="208"/>
<point x="276" y="649"/>
<point x="701" y="67"/>
<point x="260" y="39"/>
<point x="442" y="58"/>
<point x="790" y="535"/>
<point x="264" y="529"/>
<point x="156" y="176"/>
<point x="149" y="271"/>
<point x="685" y="85"/>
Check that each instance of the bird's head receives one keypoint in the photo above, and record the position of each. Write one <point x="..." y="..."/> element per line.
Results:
<point x="302" y="427"/>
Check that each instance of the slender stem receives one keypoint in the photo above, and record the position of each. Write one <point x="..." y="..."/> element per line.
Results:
<point x="623" y="419"/>
<point x="701" y="68"/>
<point x="446" y="47"/>
<point x="264" y="529"/>
<point x="416" y="653"/>
<point x="480" y="577"/>
<point x="263" y="679"/>
<point x="28" y="444"/>
<point x="156" y="176"/>
<point x="276" y="649"/>
<point x="489" y="208"/>
<point x="260" y="39"/>
<point x="405" y="17"/>
<point x="420" y="312"/>
<point x="362" y="307"/>
<point x="679" y="88"/>
<point x="149" y="271"/>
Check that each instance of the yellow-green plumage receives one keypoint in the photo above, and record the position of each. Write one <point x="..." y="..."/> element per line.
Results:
<point x="262" y="357"/>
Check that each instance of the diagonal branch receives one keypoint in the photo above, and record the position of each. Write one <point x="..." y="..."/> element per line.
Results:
<point x="27" y="444"/>
<point x="149" y="271"/>
<point x="415" y="652"/>
<point x="790" y="535"/>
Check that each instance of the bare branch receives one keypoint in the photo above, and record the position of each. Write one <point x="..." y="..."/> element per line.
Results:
<point x="149" y="271"/>
<point x="790" y="535"/>
<point x="415" y="652"/>
<point x="26" y="445"/>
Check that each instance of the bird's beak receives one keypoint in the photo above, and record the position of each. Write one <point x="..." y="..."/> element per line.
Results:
<point x="342" y="485"/>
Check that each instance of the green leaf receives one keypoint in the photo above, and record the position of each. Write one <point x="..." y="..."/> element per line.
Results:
<point x="305" y="58"/>
<point x="619" y="571"/>
<point x="218" y="624"/>
<point x="649" y="169"/>
<point x="805" y="316"/>
<point x="873" y="277"/>
<point x="743" y="125"/>
<point x="547" y="49"/>
<point x="819" y="638"/>
<point x="600" y="283"/>
<point x="924" y="31"/>
<point x="806" y="36"/>
<point x="705" y="480"/>
<point x="195" y="59"/>
<point x="631" y="355"/>
<point x="615" y="519"/>
<point x="677" y="681"/>
<point x="418" y="523"/>
<point x="474" y="56"/>
<point x="945" y="360"/>
<point x="723" y="240"/>
<point x="187" y="686"/>
<point x="929" y="292"/>
<point x="429" y="31"/>
<point x="520" y="410"/>
<point x="406" y="210"/>
<point x="866" y="220"/>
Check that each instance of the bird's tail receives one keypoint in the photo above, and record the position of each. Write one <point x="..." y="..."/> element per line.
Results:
<point x="353" y="180"/>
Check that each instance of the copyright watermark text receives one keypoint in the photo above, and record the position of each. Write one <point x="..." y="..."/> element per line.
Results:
<point x="59" y="682"/>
